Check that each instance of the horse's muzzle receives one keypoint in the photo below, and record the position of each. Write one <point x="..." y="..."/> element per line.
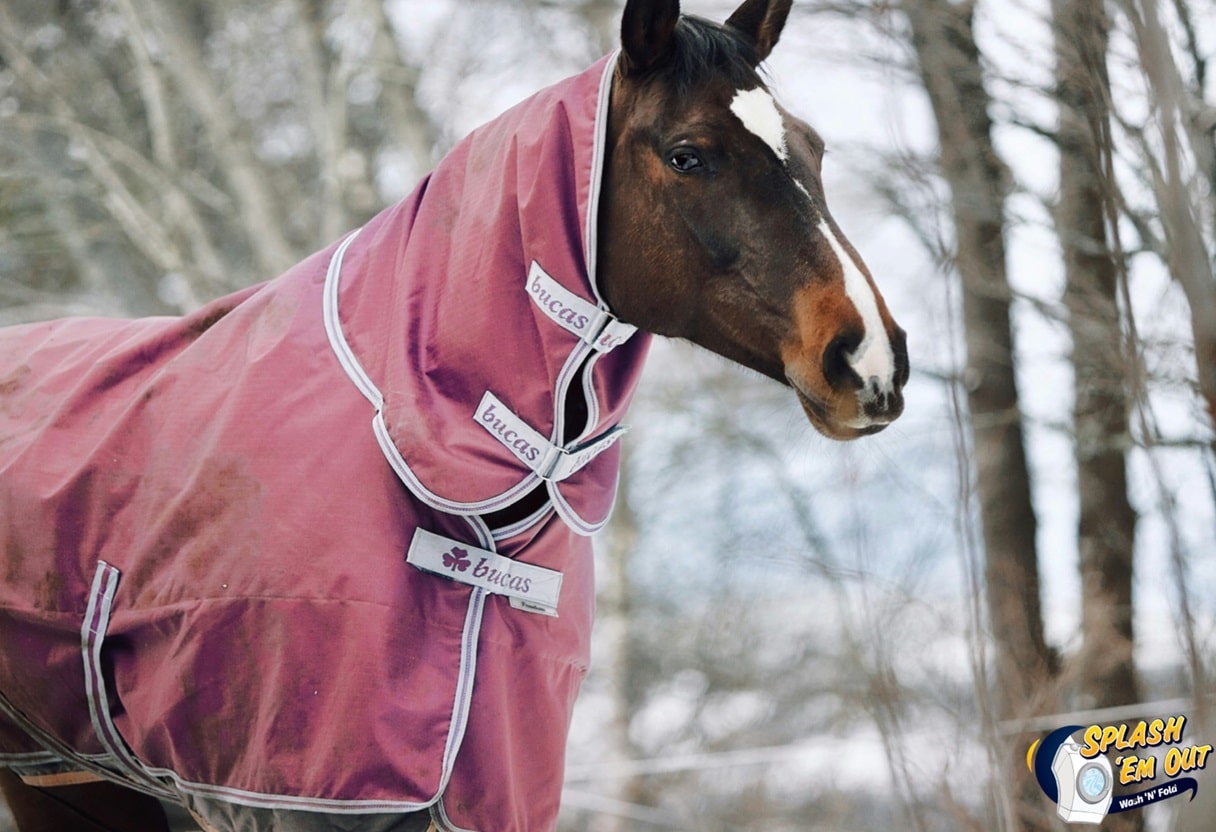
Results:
<point x="838" y="402"/>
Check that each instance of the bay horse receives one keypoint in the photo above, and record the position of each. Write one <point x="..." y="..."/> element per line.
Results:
<point x="316" y="556"/>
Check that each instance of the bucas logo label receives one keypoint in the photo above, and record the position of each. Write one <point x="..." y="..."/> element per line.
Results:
<point x="537" y="587"/>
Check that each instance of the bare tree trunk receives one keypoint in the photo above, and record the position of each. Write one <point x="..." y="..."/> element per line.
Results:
<point x="1105" y="668"/>
<point x="950" y="68"/>
<point x="1187" y="157"/>
<point x="1107" y="527"/>
<point x="1182" y="121"/>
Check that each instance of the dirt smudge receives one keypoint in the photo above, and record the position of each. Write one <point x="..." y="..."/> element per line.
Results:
<point x="212" y="520"/>
<point x="198" y="324"/>
<point x="15" y="380"/>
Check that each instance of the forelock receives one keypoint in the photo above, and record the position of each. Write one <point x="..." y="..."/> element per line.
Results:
<point x="703" y="51"/>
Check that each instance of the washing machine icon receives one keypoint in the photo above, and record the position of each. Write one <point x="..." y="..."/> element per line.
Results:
<point x="1085" y="786"/>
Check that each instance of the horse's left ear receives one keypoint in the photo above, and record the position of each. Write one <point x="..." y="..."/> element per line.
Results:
<point x="762" y="21"/>
<point x="647" y="27"/>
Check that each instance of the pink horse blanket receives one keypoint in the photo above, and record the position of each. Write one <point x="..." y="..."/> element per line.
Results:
<point x="248" y="557"/>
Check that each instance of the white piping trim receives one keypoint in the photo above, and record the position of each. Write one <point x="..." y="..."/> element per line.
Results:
<point x="463" y="699"/>
<point x="569" y="372"/>
<point x="333" y="327"/>
<point x="58" y="753"/>
<point x="354" y="370"/>
<point x="105" y="582"/>
<point x="519" y="527"/>
<point x="577" y="524"/>
<point x="148" y="778"/>
<point x="598" y="151"/>
<point x="565" y="377"/>
<point x="31" y="758"/>
<point x="485" y="538"/>
<point x="257" y="800"/>
<point x="439" y="815"/>
<point x="565" y="511"/>
<point x="407" y="476"/>
<point x="92" y="634"/>
<point x="53" y="748"/>
<point x="592" y="401"/>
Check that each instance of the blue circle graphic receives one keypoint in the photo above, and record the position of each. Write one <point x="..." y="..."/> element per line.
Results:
<point x="1093" y="783"/>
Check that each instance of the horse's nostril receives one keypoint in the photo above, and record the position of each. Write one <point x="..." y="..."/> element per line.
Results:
<point x="885" y="406"/>
<point x="902" y="367"/>
<point x="836" y="367"/>
<point x="881" y="401"/>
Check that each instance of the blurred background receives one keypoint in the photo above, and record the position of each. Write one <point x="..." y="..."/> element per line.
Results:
<point x="792" y="634"/>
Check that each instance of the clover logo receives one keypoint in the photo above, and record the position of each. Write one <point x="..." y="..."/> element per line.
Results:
<point x="457" y="560"/>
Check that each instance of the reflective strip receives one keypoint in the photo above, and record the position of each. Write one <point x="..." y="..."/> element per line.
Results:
<point x="149" y="779"/>
<point x="462" y="701"/>
<point x="593" y="325"/>
<point x="57" y="754"/>
<point x="27" y="758"/>
<point x="92" y="634"/>
<point x="537" y="587"/>
<point x="550" y="462"/>
<point x="440" y="822"/>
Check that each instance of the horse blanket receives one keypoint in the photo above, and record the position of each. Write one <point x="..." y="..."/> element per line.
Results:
<point x="248" y="557"/>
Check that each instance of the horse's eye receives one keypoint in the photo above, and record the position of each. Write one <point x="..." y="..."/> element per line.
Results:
<point x="686" y="160"/>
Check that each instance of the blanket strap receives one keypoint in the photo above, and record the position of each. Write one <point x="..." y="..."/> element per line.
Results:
<point x="593" y="324"/>
<point x="548" y="461"/>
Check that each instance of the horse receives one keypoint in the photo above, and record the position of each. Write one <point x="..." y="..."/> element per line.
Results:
<point x="317" y="555"/>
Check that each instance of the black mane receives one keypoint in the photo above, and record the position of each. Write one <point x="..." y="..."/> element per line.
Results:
<point x="702" y="51"/>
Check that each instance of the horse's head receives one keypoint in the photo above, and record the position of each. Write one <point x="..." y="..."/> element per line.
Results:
<point x="714" y="225"/>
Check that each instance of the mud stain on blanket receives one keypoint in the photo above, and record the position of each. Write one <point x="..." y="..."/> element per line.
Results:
<point x="10" y="385"/>
<point x="216" y="513"/>
<point x="14" y="560"/>
<point x="12" y="382"/>
<point x="197" y="325"/>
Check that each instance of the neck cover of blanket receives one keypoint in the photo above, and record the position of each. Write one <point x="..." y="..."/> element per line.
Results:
<point x="471" y="302"/>
<point x="219" y="559"/>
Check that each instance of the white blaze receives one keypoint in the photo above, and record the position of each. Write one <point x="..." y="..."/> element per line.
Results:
<point x="759" y="114"/>
<point x="873" y="357"/>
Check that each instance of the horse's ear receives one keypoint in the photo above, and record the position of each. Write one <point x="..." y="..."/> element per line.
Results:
<point x="647" y="27"/>
<point x="762" y="21"/>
